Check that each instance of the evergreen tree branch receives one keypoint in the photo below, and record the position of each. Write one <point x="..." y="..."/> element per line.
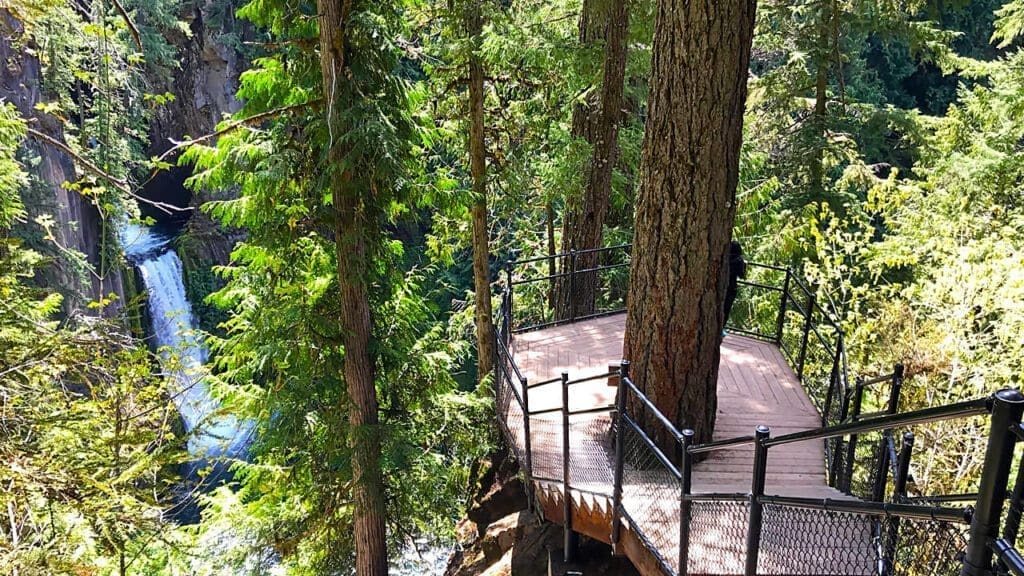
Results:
<point x="247" y="121"/>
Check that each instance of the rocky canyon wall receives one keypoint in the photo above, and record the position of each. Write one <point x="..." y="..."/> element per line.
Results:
<point x="76" y="266"/>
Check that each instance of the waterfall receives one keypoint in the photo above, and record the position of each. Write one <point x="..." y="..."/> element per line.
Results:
<point x="211" y="436"/>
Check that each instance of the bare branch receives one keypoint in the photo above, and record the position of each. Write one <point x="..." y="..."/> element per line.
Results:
<point x="100" y="173"/>
<point x="131" y="25"/>
<point x="248" y="121"/>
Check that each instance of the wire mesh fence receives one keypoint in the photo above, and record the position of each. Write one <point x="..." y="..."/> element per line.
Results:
<point x="591" y="458"/>
<point x="923" y="547"/>
<point x="806" y="541"/>
<point x="571" y="285"/>
<point x="718" y="531"/>
<point x="650" y="497"/>
<point x="794" y="538"/>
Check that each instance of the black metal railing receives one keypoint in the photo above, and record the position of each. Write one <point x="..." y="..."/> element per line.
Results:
<point x="869" y="452"/>
<point x="760" y="533"/>
<point x="775" y="304"/>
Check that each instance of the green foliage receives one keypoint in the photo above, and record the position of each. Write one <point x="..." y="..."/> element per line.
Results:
<point x="1010" y="25"/>
<point x="279" y="362"/>
<point x="86" y="430"/>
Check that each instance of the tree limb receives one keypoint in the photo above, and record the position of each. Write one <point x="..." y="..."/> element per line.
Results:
<point x="120" y="184"/>
<point x="248" y="121"/>
<point x="131" y="25"/>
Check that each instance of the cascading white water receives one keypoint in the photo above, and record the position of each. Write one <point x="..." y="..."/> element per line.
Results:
<point x="211" y="435"/>
<point x="214" y="436"/>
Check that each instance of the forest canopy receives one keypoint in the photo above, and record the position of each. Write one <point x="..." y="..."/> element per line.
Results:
<point x="356" y="174"/>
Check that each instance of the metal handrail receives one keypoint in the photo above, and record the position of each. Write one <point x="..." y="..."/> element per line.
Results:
<point x="652" y="446"/>
<point x="722" y="444"/>
<point x="975" y="407"/>
<point x="1005" y="408"/>
<point x="651" y="408"/>
<point x="1008" y="556"/>
<point x="567" y="254"/>
<point x="910" y="511"/>
<point x="508" y="355"/>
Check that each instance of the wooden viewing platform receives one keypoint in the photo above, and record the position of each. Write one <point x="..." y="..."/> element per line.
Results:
<point x="755" y="387"/>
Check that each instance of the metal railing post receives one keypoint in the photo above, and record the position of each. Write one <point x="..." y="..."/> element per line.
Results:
<point x="851" y="446"/>
<point x="528" y="446"/>
<point x="780" y="322"/>
<point x="835" y="388"/>
<point x="756" y="492"/>
<point x="685" y="486"/>
<point x="569" y="540"/>
<point x="1007" y="406"/>
<point x="899" y="494"/>
<point x="808" y="320"/>
<point x="620" y="409"/>
<point x="895" y="389"/>
<point x="882" y="472"/>
<point x="1013" y="515"/>
<point x="571" y="298"/>
<point x="881" y="469"/>
<point x="507" y="312"/>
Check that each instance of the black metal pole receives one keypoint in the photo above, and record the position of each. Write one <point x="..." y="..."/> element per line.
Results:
<point x="806" y="337"/>
<point x="780" y="322"/>
<point x="570" y="540"/>
<point x="1007" y="406"/>
<point x="1016" y="504"/>
<point x="620" y="409"/>
<point x="899" y="495"/>
<point x="835" y="388"/>
<point x="756" y="507"/>
<point x="508" y="307"/>
<point x="528" y="446"/>
<point x="843" y="402"/>
<point x="851" y="446"/>
<point x="881" y="469"/>
<point x="571" y="299"/>
<point x="894" y="390"/>
<point x="685" y="486"/>
<point x="882" y="472"/>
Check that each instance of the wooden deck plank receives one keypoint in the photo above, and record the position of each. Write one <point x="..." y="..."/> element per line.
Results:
<point x="756" y="386"/>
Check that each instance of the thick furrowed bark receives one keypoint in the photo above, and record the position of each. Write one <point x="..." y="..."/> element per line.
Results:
<point x="583" y="224"/>
<point x="685" y="208"/>
<point x="478" y="167"/>
<point x="351" y="252"/>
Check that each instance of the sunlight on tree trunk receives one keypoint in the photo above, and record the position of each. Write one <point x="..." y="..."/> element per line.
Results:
<point x="584" y="218"/>
<point x="685" y="208"/>
<point x="350" y="246"/>
<point x="478" y="167"/>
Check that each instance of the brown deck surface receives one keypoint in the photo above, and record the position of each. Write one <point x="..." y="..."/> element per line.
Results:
<point x="755" y="386"/>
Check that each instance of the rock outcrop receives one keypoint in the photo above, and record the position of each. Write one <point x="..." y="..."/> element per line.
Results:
<point x="501" y="537"/>
<point x="77" y="228"/>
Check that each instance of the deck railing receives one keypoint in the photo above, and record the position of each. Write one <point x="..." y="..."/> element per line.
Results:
<point x="757" y="532"/>
<point x="774" y="304"/>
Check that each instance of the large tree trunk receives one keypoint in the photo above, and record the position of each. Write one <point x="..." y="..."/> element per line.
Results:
<point x="350" y="235"/>
<point x="478" y="167"/>
<point x="583" y="222"/>
<point x="685" y="209"/>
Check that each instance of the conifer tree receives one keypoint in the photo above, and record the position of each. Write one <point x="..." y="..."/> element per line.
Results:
<point x="685" y="208"/>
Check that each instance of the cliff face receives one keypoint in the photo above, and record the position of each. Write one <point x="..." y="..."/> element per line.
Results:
<point x="77" y="225"/>
<point x="204" y="87"/>
<point x="204" y="90"/>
